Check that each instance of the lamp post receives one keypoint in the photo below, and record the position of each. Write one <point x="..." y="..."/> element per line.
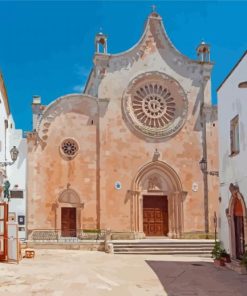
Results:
<point x="203" y="167"/>
<point x="215" y="226"/>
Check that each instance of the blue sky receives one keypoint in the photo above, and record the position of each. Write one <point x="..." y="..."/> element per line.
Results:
<point x="46" y="48"/>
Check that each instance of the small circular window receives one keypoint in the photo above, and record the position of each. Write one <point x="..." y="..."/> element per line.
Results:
<point x="69" y="148"/>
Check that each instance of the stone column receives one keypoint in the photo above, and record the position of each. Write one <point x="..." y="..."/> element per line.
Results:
<point x="180" y="215"/>
<point x="132" y="218"/>
<point x="171" y="215"/>
<point x="140" y="213"/>
<point x="177" y="214"/>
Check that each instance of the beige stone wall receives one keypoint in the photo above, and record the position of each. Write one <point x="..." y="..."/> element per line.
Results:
<point x="49" y="173"/>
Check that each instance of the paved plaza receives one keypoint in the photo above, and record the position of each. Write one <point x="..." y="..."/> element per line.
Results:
<point x="66" y="272"/>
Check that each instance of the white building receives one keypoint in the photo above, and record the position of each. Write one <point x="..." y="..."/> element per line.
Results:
<point x="232" y="110"/>
<point x="16" y="172"/>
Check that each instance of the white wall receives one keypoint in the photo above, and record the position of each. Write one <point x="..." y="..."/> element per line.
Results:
<point x="17" y="176"/>
<point x="3" y="117"/>
<point x="232" y="101"/>
<point x="16" y="173"/>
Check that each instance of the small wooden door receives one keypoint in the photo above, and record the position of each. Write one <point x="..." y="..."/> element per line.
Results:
<point x="68" y="221"/>
<point x="3" y="231"/>
<point x="155" y="215"/>
<point x="239" y="228"/>
<point x="239" y="236"/>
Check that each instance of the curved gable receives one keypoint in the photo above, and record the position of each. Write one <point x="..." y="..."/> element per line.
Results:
<point x="154" y="42"/>
<point x="76" y="103"/>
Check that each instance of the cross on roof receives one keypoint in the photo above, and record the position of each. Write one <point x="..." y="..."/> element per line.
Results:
<point x="154" y="8"/>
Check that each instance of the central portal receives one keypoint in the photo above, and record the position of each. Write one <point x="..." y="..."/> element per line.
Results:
<point x="155" y="215"/>
<point x="68" y="222"/>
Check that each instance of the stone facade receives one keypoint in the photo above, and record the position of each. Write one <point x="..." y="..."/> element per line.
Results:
<point x="138" y="131"/>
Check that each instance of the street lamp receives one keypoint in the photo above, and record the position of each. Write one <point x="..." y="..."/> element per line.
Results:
<point x="14" y="154"/>
<point x="203" y="167"/>
<point x="215" y="226"/>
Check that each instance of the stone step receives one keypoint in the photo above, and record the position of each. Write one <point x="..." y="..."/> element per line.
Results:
<point x="197" y="248"/>
<point x="194" y="253"/>
<point x="164" y="245"/>
<point x="163" y="248"/>
<point x="162" y="242"/>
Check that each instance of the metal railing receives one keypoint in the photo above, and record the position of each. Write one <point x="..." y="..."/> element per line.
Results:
<point x="68" y="235"/>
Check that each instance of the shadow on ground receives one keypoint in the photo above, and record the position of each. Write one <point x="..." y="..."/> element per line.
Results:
<point x="198" y="279"/>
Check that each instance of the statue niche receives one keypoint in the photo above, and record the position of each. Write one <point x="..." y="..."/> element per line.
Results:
<point x="154" y="184"/>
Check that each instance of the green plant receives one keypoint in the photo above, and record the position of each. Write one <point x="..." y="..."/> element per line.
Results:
<point x="91" y="230"/>
<point x="217" y="251"/>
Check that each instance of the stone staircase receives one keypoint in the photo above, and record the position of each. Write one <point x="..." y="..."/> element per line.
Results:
<point x="165" y="247"/>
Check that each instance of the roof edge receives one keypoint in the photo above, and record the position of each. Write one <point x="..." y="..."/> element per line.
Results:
<point x="5" y="96"/>
<point x="231" y="71"/>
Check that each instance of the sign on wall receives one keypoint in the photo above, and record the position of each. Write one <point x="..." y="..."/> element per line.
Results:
<point x="118" y="185"/>
<point x="21" y="219"/>
<point x="16" y="193"/>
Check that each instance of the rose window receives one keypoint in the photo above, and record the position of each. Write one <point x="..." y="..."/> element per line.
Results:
<point x="155" y="105"/>
<point x="69" y="147"/>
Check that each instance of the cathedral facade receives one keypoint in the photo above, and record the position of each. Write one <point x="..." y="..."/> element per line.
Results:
<point x="124" y="154"/>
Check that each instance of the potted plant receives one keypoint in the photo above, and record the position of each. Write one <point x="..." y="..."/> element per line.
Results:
<point x="225" y="256"/>
<point x="217" y="254"/>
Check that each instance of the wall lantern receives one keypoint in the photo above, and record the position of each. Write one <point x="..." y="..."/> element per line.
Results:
<point x="14" y="152"/>
<point x="203" y="167"/>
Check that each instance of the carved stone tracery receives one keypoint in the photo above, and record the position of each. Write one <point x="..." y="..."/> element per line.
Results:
<point x="155" y="105"/>
<point x="69" y="148"/>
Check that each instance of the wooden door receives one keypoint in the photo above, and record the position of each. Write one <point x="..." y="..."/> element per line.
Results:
<point x="3" y="231"/>
<point x="239" y="236"/>
<point x="155" y="215"/>
<point x="68" y="221"/>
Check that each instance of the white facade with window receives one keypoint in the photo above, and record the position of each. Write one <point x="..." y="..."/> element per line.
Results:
<point x="15" y="173"/>
<point x="232" y="110"/>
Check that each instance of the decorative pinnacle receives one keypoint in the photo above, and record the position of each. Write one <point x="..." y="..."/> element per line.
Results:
<point x="154" y="8"/>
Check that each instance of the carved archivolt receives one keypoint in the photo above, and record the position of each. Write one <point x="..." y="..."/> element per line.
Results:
<point x="155" y="105"/>
<point x="69" y="196"/>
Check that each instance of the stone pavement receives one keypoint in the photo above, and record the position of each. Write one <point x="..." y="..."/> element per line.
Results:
<point x="66" y="272"/>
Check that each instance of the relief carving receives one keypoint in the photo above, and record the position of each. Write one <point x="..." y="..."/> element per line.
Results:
<point x="154" y="184"/>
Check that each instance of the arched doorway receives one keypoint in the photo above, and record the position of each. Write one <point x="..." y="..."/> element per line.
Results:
<point x="236" y="214"/>
<point x="239" y="228"/>
<point x="157" y="208"/>
<point x="68" y="213"/>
